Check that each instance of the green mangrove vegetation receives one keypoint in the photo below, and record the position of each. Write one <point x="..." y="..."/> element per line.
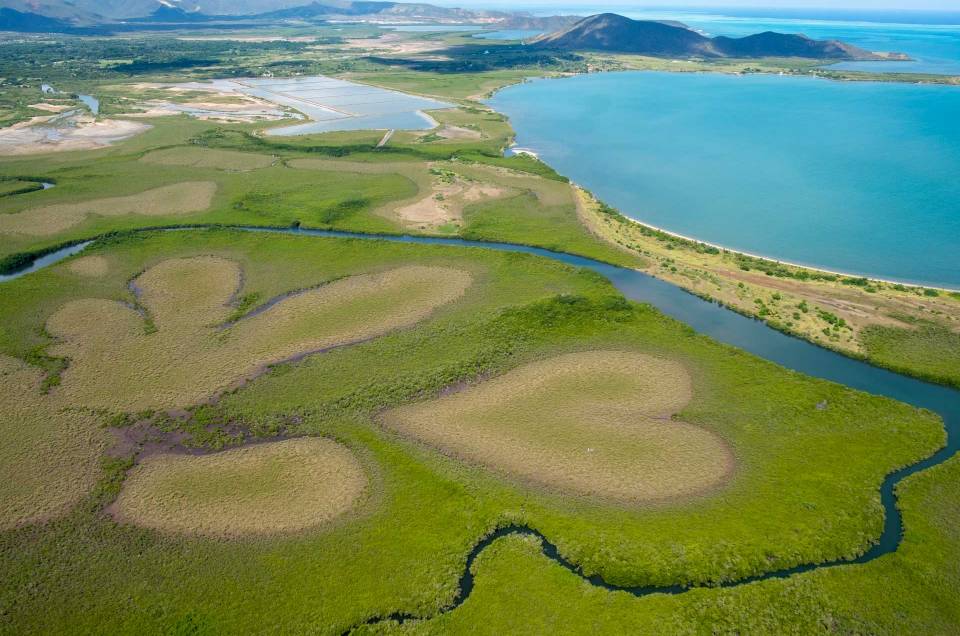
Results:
<point x="97" y="451"/>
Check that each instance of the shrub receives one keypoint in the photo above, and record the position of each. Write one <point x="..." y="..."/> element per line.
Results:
<point x="832" y="319"/>
<point x="856" y="282"/>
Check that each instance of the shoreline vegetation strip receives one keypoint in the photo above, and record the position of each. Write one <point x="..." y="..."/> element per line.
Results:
<point x="815" y="270"/>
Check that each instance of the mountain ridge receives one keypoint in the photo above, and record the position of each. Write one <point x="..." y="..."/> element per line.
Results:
<point x="66" y="15"/>
<point x="615" y="33"/>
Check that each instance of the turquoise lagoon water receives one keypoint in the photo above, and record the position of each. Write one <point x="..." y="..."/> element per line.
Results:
<point x="856" y="177"/>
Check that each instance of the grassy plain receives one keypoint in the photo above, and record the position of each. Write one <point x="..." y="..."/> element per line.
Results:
<point x="270" y="488"/>
<point x="90" y="266"/>
<point x="170" y="200"/>
<point x="799" y="494"/>
<point x="208" y="158"/>
<point x="928" y="348"/>
<point x="340" y="183"/>
<point x="595" y="423"/>
<point x="183" y="341"/>
<point x="49" y="458"/>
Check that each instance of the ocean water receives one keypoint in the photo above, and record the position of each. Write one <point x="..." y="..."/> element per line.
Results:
<point x="851" y="176"/>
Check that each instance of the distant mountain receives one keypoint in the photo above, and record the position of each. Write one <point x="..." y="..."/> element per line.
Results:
<point x="26" y="22"/>
<point x="92" y="11"/>
<point x="612" y="32"/>
<point x="312" y="10"/>
<point x="603" y="32"/>
<point x="168" y="10"/>
<point x="174" y="15"/>
<point x="385" y="12"/>
<point x="320" y="9"/>
<point x="772" y="44"/>
<point x="126" y="15"/>
<point x="616" y="33"/>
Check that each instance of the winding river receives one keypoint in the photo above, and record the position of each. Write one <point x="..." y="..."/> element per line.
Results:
<point x="720" y="324"/>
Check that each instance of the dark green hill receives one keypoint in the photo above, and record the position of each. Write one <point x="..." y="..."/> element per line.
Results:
<point x="616" y="33"/>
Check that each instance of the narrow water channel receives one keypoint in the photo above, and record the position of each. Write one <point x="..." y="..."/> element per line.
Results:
<point x="722" y="325"/>
<point x="91" y="102"/>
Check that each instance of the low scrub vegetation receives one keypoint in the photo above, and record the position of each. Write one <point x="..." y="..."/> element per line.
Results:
<point x="929" y="350"/>
<point x="208" y="158"/>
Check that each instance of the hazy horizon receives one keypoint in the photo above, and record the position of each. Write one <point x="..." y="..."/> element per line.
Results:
<point x="863" y="5"/>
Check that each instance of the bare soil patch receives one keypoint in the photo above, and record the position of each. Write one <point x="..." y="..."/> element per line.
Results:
<point x="547" y="191"/>
<point x="457" y="132"/>
<point x="448" y="194"/>
<point x="224" y="107"/>
<point x="445" y="202"/>
<point x="395" y="43"/>
<point x="443" y="194"/>
<point x="596" y="423"/>
<point x="81" y="132"/>
<point x="175" y="199"/>
<point x="50" y="108"/>
<point x="185" y="354"/>
<point x="279" y="487"/>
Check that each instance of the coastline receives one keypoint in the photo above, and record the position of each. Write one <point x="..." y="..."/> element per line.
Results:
<point x="834" y="312"/>
<point x="771" y="259"/>
<point x="514" y="149"/>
